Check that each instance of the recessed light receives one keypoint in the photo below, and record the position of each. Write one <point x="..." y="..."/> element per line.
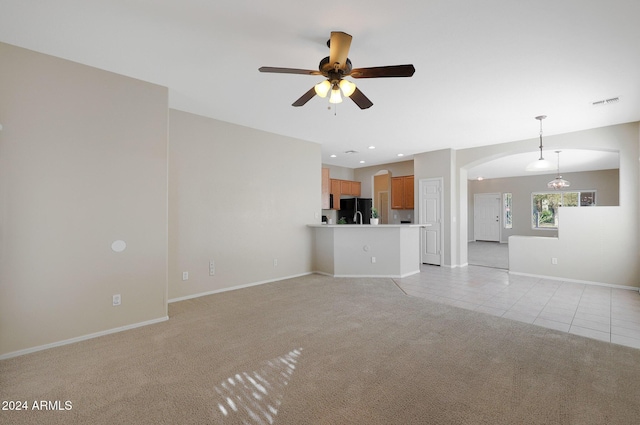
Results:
<point x="400" y="154"/>
<point x="372" y="147"/>
<point x="333" y="156"/>
<point x="480" y="178"/>
<point x="361" y="162"/>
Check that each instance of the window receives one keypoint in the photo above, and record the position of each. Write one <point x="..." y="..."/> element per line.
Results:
<point x="507" y="206"/>
<point x="544" y="206"/>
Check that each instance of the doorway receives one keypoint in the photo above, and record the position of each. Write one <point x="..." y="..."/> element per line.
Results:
<point x="381" y="194"/>
<point x="486" y="217"/>
<point x="431" y="213"/>
<point x="383" y="207"/>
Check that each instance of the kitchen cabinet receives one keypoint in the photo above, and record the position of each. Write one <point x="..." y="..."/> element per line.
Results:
<point x="350" y="188"/>
<point x="344" y="188"/>
<point x="402" y="193"/>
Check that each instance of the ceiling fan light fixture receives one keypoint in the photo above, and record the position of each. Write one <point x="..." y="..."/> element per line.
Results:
<point x="335" y="95"/>
<point x="347" y="87"/>
<point x="322" y="88"/>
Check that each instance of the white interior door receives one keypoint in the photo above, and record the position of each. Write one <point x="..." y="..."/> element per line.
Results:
<point x="486" y="216"/>
<point x="431" y="215"/>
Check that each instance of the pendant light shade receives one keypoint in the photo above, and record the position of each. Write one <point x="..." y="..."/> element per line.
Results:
<point x="558" y="183"/>
<point x="540" y="164"/>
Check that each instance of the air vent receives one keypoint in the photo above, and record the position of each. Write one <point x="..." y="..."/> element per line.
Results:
<point x="605" y="101"/>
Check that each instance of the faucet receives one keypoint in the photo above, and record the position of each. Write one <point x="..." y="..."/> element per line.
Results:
<point x="355" y="217"/>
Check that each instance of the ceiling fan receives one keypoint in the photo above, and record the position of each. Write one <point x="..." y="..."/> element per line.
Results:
<point x="335" y="67"/>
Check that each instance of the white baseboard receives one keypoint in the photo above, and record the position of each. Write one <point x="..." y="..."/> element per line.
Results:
<point x="82" y="338"/>
<point x="386" y="276"/>
<point x="586" y="282"/>
<point x="233" y="288"/>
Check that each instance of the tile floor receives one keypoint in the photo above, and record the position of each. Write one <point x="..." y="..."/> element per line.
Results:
<point x="599" y="312"/>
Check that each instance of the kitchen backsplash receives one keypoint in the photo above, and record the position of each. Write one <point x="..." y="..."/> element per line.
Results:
<point x="397" y="216"/>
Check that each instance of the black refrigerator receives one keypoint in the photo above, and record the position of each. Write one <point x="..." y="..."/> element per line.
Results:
<point x="349" y="207"/>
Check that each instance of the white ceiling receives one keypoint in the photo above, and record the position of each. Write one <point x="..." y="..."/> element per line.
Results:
<point x="484" y="69"/>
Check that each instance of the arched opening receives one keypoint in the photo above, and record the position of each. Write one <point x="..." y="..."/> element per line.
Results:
<point x="591" y="172"/>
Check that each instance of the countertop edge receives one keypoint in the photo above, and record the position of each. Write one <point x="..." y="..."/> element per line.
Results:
<point x="366" y="226"/>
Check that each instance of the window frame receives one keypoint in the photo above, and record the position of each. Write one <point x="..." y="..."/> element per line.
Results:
<point x="592" y="196"/>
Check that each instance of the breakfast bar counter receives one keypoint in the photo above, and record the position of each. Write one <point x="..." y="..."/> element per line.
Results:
<point x="353" y="250"/>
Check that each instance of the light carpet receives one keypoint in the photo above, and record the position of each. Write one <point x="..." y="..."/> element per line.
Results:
<point x="321" y="350"/>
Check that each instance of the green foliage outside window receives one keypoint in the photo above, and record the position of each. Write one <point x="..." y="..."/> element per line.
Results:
<point x="545" y="206"/>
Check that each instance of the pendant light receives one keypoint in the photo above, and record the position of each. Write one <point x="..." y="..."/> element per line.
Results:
<point x="541" y="164"/>
<point x="558" y="183"/>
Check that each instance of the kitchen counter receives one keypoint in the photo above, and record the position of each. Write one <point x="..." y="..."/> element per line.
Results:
<point x="357" y="250"/>
<point x="368" y="225"/>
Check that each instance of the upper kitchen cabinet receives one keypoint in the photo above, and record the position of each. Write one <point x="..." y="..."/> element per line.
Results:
<point x="350" y="188"/>
<point x="402" y="193"/>
<point x="345" y="187"/>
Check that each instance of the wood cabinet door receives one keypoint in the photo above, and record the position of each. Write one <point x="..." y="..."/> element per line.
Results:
<point x="356" y="188"/>
<point x="408" y="192"/>
<point x="345" y="187"/>
<point x="397" y="193"/>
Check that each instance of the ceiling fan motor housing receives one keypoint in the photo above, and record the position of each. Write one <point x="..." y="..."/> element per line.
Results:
<point x="332" y="71"/>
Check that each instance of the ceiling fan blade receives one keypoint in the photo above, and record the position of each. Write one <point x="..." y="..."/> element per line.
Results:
<point x="288" y="70"/>
<point x="305" y="97"/>
<point x="361" y="100"/>
<point x="384" y="71"/>
<point x="339" y="48"/>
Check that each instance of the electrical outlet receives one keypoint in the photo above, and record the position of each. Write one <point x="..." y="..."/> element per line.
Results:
<point x="185" y="275"/>
<point x="373" y="259"/>
<point x="117" y="300"/>
<point x="212" y="268"/>
<point x="554" y="260"/>
<point x="275" y="262"/>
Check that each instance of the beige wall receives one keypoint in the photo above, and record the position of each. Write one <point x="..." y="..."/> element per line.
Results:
<point x="605" y="182"/>
<point x="340" y="173"/>
<point x="242" y="198"/>
<point x="83" y="162"/>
